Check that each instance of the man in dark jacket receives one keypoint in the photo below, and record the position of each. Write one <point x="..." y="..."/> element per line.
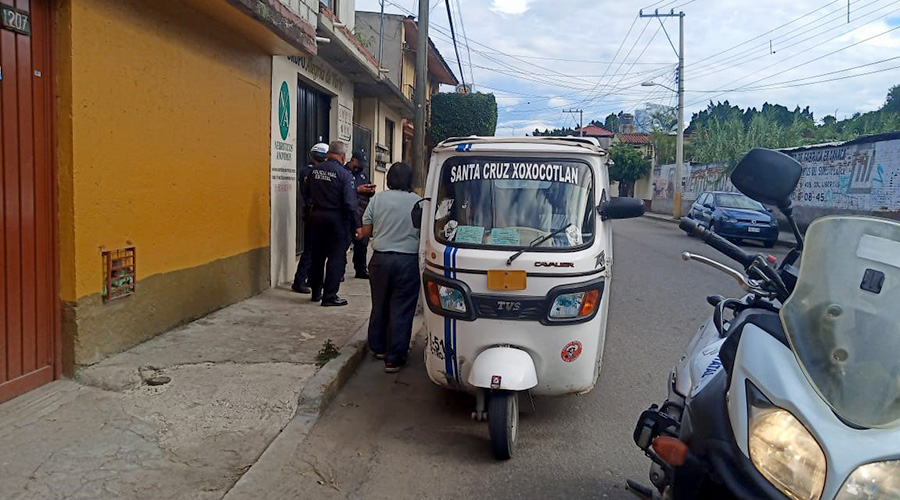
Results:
<point x="333" y="220"/>
<point x="359" y="165"/>
<point x="316" y="155"/>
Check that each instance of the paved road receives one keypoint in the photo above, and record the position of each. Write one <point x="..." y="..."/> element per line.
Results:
<point x="400" y="436"/>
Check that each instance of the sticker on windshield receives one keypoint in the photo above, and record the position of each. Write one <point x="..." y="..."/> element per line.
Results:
<point x="450" y="230"/>
<point x="505" y="236"/>
<point x="443" y="209"/>
<point x="470" y="234"/>
<point x="526" y="171"/>
<point x="573" y="234"/>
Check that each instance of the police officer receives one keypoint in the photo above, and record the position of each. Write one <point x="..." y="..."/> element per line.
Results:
<point x="316" y="155"/>
<point x="333" y="221"/>
<point x="358" y="166"/>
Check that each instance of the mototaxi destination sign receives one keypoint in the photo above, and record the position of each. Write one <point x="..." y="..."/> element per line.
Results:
<point x="15" y="20"/>
<point x="564" y="172"/>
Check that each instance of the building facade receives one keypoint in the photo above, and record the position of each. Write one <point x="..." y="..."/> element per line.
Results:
<point x="397" y="45"/>
<point x="150" y="155"/>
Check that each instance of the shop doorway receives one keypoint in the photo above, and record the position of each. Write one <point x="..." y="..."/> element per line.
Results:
<point x="313" y="110"/>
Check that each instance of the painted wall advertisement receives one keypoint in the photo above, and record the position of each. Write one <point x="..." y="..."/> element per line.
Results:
<point x="861" y="177"/>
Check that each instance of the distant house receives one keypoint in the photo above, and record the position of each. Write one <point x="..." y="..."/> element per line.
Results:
<point x="602" y="135"/>
<point x="643" y="187"/>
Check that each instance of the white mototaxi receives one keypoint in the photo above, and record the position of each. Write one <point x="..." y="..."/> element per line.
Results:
<point x="516" y="255"/>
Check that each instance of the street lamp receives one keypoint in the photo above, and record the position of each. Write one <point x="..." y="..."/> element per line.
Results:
<point x="679" y="144"/>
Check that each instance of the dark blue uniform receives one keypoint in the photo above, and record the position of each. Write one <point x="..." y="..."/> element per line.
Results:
<point x="305" y="261"/>
<point x="332" y="222"/>
<point x="361" y="246"/>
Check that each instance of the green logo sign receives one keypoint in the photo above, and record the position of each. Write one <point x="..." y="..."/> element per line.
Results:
<point x="284" y="111"/>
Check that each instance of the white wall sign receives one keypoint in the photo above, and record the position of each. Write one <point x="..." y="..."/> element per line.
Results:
<point x="345" y="123"/>
<point x="283" y="171"/>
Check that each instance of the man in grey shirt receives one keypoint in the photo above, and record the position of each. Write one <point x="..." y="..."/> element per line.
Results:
<point x="394" y="268"/>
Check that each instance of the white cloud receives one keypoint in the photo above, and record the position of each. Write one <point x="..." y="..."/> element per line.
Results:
<point x="514" y="7"/>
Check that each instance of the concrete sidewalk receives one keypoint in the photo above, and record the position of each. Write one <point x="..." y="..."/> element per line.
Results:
<point x="229" y="384"/>
<point x="785" y="238"/>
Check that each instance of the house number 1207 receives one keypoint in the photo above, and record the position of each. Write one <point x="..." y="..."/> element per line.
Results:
<point x="15" y="20"/>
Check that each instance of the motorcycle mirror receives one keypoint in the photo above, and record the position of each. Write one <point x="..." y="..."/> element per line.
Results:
<point x="416" y="214"/>
<point x="767" y="176"/>
<point x="621" y="208"/>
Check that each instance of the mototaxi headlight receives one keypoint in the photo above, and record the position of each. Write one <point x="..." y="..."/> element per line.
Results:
<point x="876" y="481"/>
<point x="446" y="297"/>
<point x="574" y="305"/>
<point x="785" y="453"/>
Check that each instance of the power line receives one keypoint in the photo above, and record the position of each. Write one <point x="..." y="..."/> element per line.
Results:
<point x="802" y="64"/>
<point x="462" y="26"/>
<point x="462" y="75"/>
<point x="739" y="60"/>
<point x="793" y="82"/>
<point x="698" y="61"/>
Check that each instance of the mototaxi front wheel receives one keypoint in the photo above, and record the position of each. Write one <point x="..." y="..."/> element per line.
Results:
<point x="503" y="423"/>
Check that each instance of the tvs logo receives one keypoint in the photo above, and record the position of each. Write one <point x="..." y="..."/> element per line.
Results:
<point x="571" y="351"/>
<point x="554" y="264"/>
<point x="503" y="305"/>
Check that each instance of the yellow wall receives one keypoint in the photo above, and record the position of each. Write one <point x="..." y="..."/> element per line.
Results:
<point x="164" y="123"/>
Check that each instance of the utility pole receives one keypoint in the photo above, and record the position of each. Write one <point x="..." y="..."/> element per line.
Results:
<point x="381" y="35"/>
<point x="580" y="119"/>
<point x="420" y="169"/>
<point x="679" y="140"/>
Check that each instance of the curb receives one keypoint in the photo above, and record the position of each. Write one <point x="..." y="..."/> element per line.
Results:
<point x="318" y="392"/>
<point x="667" y="218"/>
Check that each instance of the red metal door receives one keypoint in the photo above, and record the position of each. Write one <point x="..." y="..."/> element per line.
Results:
<point x="28" y="305"/>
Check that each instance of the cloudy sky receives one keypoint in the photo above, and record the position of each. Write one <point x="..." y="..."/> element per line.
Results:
<point x="542" y="56"/>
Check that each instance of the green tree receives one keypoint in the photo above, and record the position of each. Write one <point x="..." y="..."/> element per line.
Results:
<point x="628" y="166"/>
<point x="460" y="115"/>
<point x="611" y="123"/>
<point x="892" y="103"/>
<point x="662" y="118"/>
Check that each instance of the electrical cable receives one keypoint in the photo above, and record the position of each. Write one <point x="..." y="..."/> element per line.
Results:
<point x="462" y="74"/>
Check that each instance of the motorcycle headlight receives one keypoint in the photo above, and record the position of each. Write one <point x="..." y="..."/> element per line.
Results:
<point x="574" y="305"/>
<point x="783" y="451"/>
<point x="878" y="481"/>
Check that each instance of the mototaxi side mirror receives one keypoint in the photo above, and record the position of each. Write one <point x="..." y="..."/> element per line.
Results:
<point x="767" y="176"/>
<point x="416" y="213"/>
<point x="621" y="208"/>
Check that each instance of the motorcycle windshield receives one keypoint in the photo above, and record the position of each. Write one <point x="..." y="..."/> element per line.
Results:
<point x="843" y="318"/>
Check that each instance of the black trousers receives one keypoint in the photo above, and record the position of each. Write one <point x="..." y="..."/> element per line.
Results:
<point x="394" y="281"/>
<point x="329" y="243"/>
<point x="305" y="261"/>
<point x="360" y="247"/>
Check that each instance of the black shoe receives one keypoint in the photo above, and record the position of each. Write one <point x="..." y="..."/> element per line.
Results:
<point x="362" y="276"/>
<point x="301" y="288"/>
<point x="317" y="296"/>
<point x="335" y="302"/>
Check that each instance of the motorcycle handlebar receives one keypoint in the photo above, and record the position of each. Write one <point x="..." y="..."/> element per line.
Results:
<point x="712" y="239"/>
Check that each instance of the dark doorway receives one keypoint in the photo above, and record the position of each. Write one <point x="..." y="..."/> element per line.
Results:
<point x="313" y="111"/>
